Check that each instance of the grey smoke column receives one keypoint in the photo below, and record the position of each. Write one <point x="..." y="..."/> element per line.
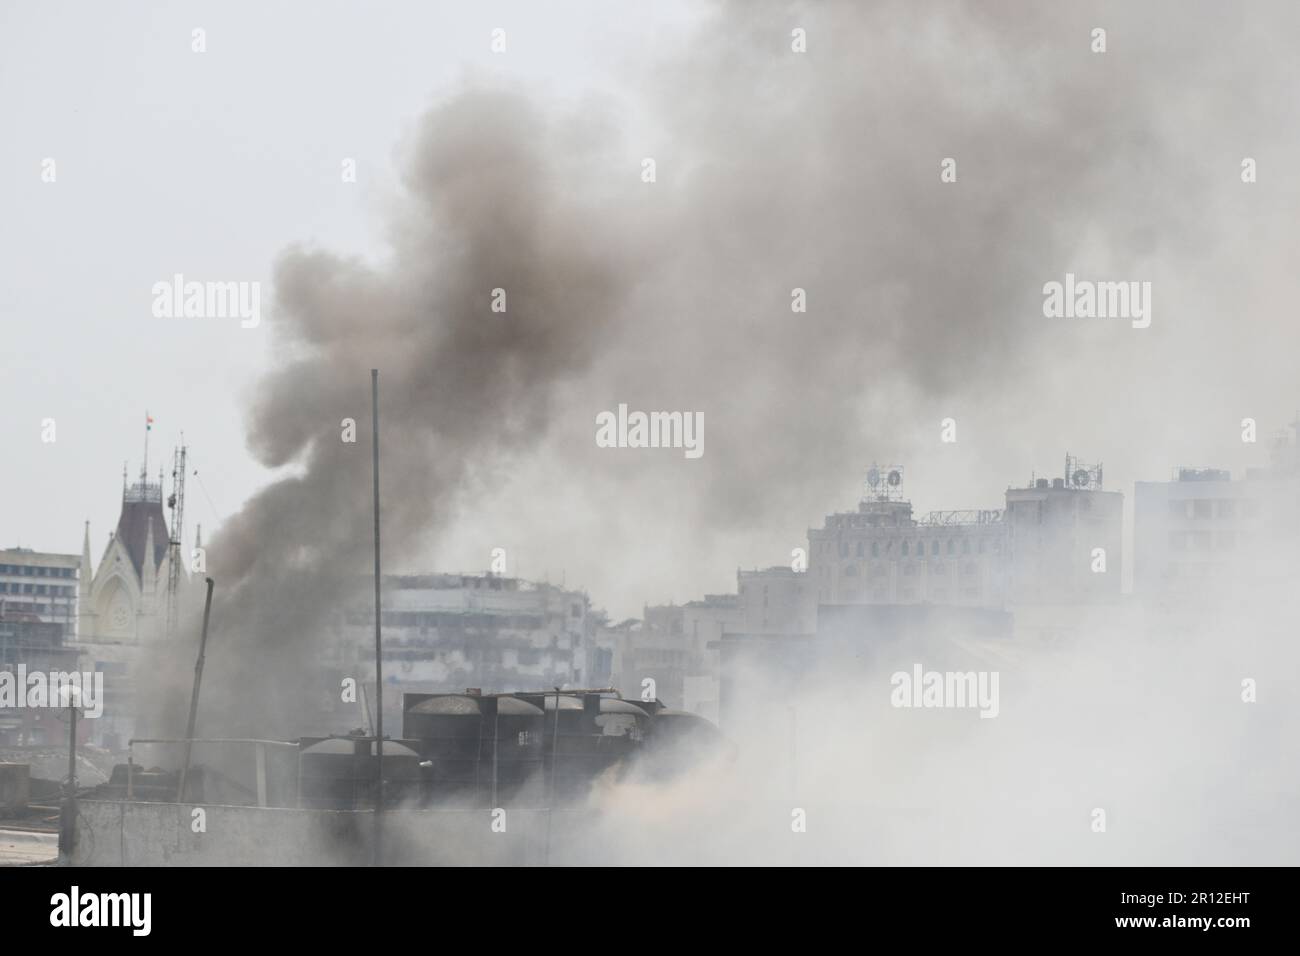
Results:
<point x="489" y="206"/>
<point x="776" y="170"/>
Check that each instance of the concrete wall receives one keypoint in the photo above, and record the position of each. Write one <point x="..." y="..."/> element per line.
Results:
<point x="114" y="833"/>
<point x="15" y="786"/>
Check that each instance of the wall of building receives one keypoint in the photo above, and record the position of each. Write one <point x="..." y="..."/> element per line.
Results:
<point x="1053" y="532"/>
<point x="881" y="554"/>
<point x="777" y="600"/>
<point x="1204" y="533"/>
<point x="445" y="632"/>
<point x="117" y="833"/>
<point x="38" y="623"/>
<point x="35" y="585"/>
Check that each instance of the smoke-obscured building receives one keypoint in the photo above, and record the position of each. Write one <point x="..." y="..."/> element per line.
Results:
<point x="1057" y="542"/>
<point x="776" y="600"/>
<point x="1204" y="532"/>
<point x="881" y="554"/>
<point x="672" y="653"/>
<point x="851" y="646"/>
<point x="446" y="632"/>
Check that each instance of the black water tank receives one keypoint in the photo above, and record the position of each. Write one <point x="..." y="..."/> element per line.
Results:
<point x="339" y="773"/>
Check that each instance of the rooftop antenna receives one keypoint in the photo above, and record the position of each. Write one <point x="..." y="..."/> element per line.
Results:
<point x="176" y="502"/>
<point x="379" y="658"/>
<point x="144" y="465"/>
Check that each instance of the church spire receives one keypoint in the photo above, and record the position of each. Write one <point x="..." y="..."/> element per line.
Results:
<point x="83" y="585"/>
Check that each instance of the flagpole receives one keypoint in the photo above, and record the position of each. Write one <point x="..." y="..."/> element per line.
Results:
<point x="144" y="466"/>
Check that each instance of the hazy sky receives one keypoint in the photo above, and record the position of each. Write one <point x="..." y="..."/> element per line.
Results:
<point x="169" y="161"/>
<point x="776" y="170"/>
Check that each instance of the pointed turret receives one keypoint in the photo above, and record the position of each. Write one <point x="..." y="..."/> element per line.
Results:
<point x="86" y="572"/>
<point x="85" y="577"/>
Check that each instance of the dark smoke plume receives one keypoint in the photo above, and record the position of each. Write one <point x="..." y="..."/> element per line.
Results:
<point x="490" y="205"/>
<point x="775" y="171"/>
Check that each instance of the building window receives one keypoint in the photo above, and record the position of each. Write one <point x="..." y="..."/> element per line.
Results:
<point x="965" y="545"/>
<point x="952" y="545"/>
<point x="875" y="549"/>
<point x="859" y="549"/>
<point x="904" y="549"/>
<point x="934" y="548"/>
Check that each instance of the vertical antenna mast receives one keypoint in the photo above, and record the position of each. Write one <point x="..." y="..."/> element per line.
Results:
<point x="379" y="653"/>
<point x="177" y="503"/>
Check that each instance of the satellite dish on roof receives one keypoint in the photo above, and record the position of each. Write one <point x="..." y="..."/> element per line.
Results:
<point x="895" y="479"/>
<point x="873" y="478"/>
<point x="1080" y="477"/>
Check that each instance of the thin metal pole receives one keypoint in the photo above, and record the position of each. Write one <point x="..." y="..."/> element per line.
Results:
<point x="555" y="761"/>
<point x="555" y="745"/>
<point x="72" y="744"/>
<point x="194" y="695"/>
<point x="68" y="814"/>
<point x="379" y="659"/>
<point x="496" y="736"/>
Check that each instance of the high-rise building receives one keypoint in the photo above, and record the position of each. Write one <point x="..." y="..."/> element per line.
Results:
<point x="37" y="586"/>
<point x="38" y="620"/>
